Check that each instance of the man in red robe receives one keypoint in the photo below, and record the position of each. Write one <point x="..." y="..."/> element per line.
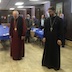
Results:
<point x="17" y="33"/>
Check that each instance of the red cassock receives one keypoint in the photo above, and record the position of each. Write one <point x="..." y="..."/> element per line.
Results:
<point x="17" y="50"/>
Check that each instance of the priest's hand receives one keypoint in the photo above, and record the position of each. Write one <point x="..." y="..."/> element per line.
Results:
<point x="22" y="37"/>
<point x="28" y="28"/>
<point x="59" y="42"/>
<point x="33" y="24"/>
<point x="44" y="40"/>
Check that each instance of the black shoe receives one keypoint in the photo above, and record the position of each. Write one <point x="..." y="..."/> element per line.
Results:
<point x="17" y="59"/>
<point x="49" y="67"/>
<point x="43" y="64"/>
<point x="56" y="69"/>
<point x="63" y="46"/>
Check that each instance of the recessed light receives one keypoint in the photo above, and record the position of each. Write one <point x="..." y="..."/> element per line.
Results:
<point x="19" y="3"/>
<point x="11" y="8"/>
<point x="46" y="2"/>
<point x="0" y="1"/>
<point x="20" y="7"/>
<point x="33" y="0"/>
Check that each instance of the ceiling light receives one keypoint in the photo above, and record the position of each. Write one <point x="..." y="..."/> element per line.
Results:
<point x="46" y="2"/>
<point x="29" y="6"/>
<point x="0" y="1"/>
<point x="11" y="8"/>
<point x="20" y="7"/>
<point x="19" y="3"/>
<point x="33" y="0"/>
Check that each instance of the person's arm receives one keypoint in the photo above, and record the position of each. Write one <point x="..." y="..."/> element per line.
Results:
<point x="30" y="24"/>
<point x="10" y="30"/>
<point x="38" y="23"/>
<point x="44" y="36"/>
<point x="60" y="35"/>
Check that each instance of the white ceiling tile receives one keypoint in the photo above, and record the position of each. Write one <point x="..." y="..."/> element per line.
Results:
<point x="6" y="4"/>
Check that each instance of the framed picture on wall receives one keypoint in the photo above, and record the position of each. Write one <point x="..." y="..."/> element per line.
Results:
<point x="59" y="8"/>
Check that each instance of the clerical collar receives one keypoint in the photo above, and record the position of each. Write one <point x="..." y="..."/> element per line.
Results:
<point x="15" y="19"/>
<point x="53" y="16"/>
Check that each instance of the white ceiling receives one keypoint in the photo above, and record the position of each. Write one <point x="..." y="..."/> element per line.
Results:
<point x="6" y="4"/>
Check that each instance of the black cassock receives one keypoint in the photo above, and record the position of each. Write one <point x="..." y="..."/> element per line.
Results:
<point x="51" y="55"/>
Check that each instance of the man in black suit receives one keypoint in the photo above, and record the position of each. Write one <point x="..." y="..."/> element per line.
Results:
<point x="28" y="24"/>
<point x="42" y="22"/>
<point x="53" y="39"/>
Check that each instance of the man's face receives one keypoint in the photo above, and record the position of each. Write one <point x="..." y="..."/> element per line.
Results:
<point x="15" y="15"/>
<point x="28" y="16"/>
<point x="33" y="17"/>
<point x="42" y="16"/>
<point x="51" y="12"/>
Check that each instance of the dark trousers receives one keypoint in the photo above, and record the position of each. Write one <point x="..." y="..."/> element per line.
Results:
<point x="27" y="37"/>
<point x="42" y="27"/>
